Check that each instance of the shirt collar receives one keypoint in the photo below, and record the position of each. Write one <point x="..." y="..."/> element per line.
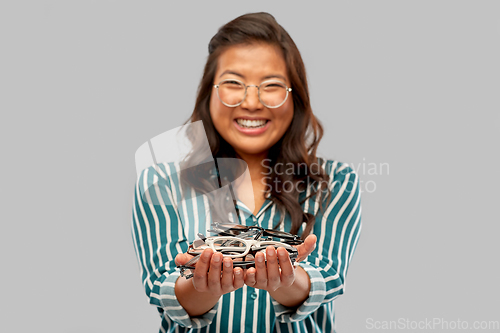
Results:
<point x="241" y="206"/>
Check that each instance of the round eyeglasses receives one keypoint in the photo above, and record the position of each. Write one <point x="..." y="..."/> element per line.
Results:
<point x="256" y="232"/>
<point x="272" y="93"/>
<point x="233" y="247"/>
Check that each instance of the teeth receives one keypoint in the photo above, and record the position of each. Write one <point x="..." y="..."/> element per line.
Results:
<point x="251" y="123"/>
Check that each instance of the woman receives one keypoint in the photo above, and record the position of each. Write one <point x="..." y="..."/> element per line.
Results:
<point x="254" y="103"/>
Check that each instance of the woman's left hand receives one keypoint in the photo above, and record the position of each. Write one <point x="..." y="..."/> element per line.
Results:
<point x="275" y="275"/>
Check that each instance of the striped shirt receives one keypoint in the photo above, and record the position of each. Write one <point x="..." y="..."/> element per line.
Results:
<point x="162" y="228"/>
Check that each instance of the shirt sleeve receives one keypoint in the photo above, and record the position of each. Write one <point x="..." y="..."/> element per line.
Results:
<point x="337" y="230"/>
<point x="158" y="237"/>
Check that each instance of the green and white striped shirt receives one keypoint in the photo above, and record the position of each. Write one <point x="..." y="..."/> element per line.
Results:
<point x="160" y="232"/>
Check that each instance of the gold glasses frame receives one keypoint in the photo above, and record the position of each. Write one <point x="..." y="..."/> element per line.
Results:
<point x="258" y="91"/>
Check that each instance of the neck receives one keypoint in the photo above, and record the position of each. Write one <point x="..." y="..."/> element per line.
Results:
<point x="254" y="162"/>
<point x="251" y="191"/>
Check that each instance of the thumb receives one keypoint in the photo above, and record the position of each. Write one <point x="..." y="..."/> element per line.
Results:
<point x="181" y="259"/>
<point x="306" y="248"/>
<point x="311" y="242"/>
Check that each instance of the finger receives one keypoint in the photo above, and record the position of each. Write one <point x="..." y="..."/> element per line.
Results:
<point x="179" y="259"/>
<point x="214" y="274"/>
<point x="201" y="271"/>
<point x="306" y="248"/>
<point x="227" y="276"/>
<point x="238" y="281"/>
<point x="273" y="272"/>
<point x="310" y="241"/>
<point x="182" y="258"/>
<point x="261" y="271"/>
<point x="250" y="277"/>
<point x="287" y="271"/>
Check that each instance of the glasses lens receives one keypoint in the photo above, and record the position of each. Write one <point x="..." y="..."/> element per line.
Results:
<point x="279" y="234"/>
<point x="229" y="244"/>
<point x="273" y="93"/>
<point x="230" y="228"/>
<point x="231" y="92"/>
<point x="187" y="272"/>
<point x="198" y="243"/>
<point x="197" y="246"/>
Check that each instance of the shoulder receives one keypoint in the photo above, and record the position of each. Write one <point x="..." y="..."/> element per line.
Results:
<point x="161" y="176"/>
<point x="335" y="169"/>
<point x="342" y="178"/>
<point x="156" y="173"/>
<point x="160" y="184"/>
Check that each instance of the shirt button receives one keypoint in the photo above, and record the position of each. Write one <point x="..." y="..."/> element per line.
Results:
<point x="253" y="295"/>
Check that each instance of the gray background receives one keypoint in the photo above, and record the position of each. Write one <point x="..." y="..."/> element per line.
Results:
<point x="412" y="84"/>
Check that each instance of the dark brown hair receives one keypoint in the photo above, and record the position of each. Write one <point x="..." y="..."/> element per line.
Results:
<point x="297" y="146"/>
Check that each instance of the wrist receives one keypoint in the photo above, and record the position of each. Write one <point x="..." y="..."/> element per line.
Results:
<point x="295" y="294"/>
<point x="196" y="303"/>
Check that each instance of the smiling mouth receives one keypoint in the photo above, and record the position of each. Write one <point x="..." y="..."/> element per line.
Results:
<point x="245" y="123"/>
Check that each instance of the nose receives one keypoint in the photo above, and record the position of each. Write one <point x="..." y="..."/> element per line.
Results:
<point x="252" y="100"/>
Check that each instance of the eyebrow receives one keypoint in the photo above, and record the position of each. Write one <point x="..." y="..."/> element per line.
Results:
<point x="243" y="76"/>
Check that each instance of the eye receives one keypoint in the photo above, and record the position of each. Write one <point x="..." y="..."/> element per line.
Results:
<point x="273" y="86"/>
<point x="231" y="84"/>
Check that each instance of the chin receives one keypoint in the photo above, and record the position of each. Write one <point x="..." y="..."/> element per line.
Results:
<point x="251" y="150"/>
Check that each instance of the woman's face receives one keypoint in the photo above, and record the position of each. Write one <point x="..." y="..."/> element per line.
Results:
<point x="251" y="64"/>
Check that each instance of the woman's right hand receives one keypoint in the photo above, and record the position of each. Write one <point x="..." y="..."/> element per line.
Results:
<point x="207" y="277"/>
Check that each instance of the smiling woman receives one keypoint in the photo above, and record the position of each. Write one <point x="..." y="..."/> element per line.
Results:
<point x="253" y="101"/>
<point x="251" y="128"/>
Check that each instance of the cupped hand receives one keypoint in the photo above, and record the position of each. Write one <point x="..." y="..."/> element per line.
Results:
<point x="279" y="271"/>
<point x="207" y="276"/>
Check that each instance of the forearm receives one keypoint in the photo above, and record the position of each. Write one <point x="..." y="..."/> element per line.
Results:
<point x="295" y="294"/>
<point x="194" y="302"/>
